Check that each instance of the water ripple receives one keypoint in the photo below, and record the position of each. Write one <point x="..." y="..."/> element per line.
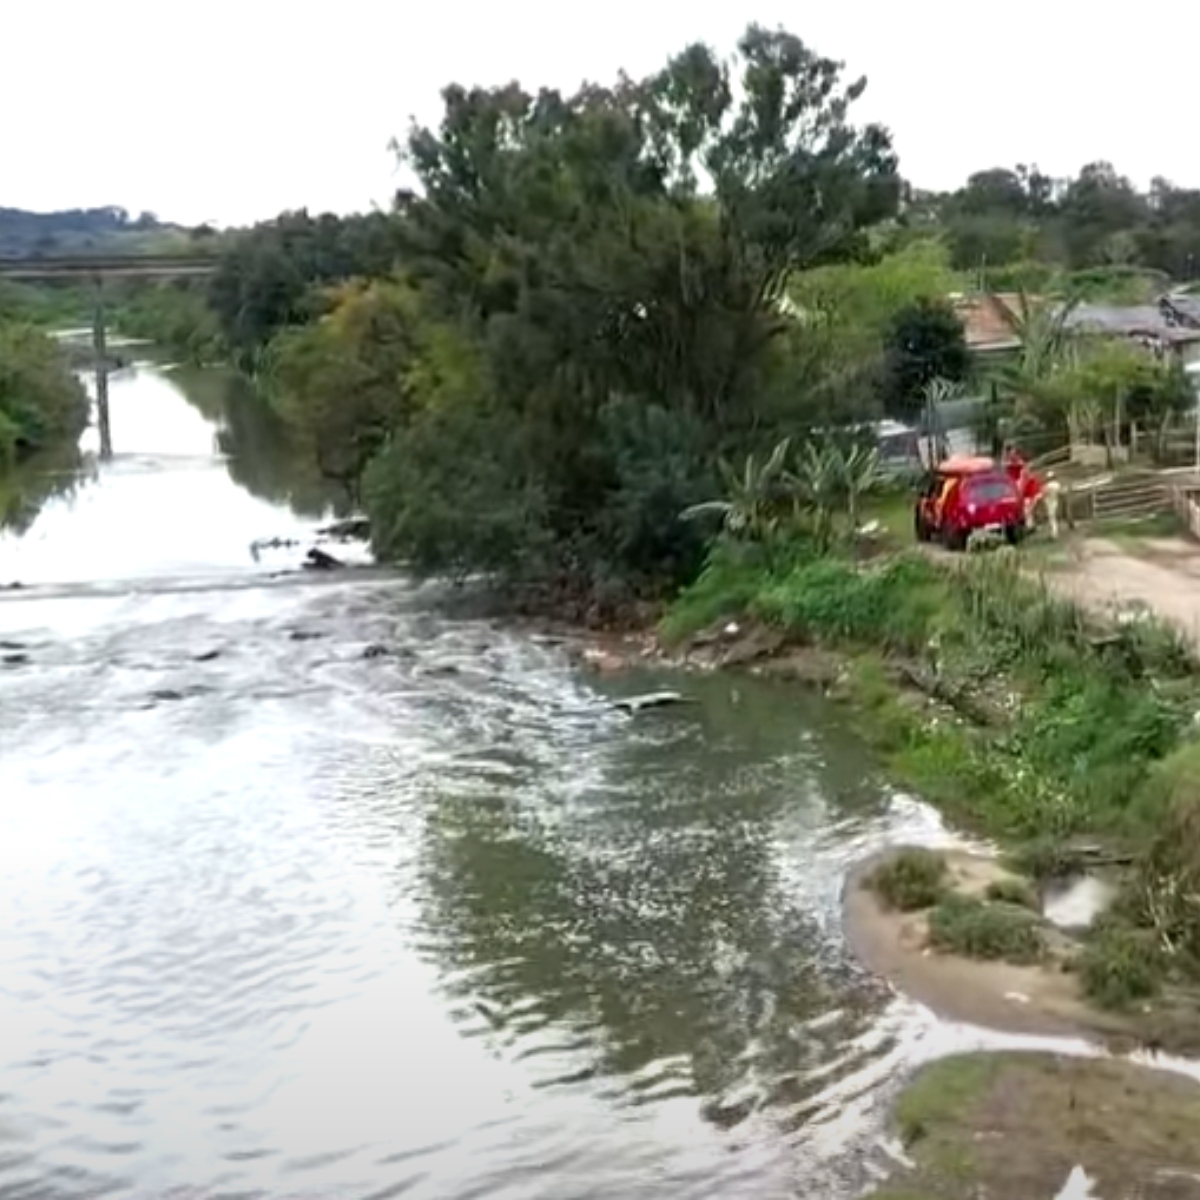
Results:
<point x="439" y="923"/>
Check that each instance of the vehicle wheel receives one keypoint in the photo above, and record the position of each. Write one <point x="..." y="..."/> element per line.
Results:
<point x="920" y="529"/>
<point x="1014" y="534"/>
<point x="954" y="539"/>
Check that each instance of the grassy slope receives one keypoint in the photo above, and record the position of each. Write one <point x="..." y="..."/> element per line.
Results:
<point x="1014" y="1125"/>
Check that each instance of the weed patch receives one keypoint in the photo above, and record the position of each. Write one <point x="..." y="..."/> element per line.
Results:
<point x="1015" y="892"/>
<point x="979" y="929"/>
<point x="1120" y="965"/>
<point x="912" y="880"/>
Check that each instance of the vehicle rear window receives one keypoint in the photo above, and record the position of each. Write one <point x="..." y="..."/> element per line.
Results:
<point x="987" y="490"/>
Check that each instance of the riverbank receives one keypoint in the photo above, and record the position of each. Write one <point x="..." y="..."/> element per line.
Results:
<point x="1013" y="1126"/>
<point x="977" y="942"/>
<point x="1064" y="735"/>
<point x="1023" y="718"/>
<point x="42" y="403"/>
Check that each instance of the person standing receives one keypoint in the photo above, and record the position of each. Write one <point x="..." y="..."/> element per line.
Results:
<point x="1014" y="465"/>
<point x="1052" y="501"/>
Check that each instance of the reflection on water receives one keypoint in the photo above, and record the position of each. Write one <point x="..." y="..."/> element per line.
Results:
<point x="164" y="505"/>
<point x="55" y="473"/>
<point x="261" y="458"/>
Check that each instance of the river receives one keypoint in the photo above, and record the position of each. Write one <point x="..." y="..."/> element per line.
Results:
<point x="282" y="918"/>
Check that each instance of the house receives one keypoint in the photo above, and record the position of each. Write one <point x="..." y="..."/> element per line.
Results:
<point x="1182" y="309"/>
<point x="1167" y="328"/>
<point x="1171" y="326"/>
<point x="987" y="319"/>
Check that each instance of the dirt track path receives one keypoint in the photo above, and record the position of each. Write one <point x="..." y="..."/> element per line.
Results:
<point x="1163" y="574"/>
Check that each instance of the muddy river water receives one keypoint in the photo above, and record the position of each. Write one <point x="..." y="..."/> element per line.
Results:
<point x="283" y="918"/>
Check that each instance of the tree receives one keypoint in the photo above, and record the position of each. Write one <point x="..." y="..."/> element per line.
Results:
<point x="342" y="383"/>
<point x="1129" y="387"/>
<point x="925" y="342"/>
<point x="1037" y="380"/>
<point x="617" y="259"/>
<point x="751" y="505"/>
<point x="41" y="402"/>
<point x="271" y="276"/>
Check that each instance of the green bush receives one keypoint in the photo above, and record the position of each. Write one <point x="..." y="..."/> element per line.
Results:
<point x="1120" y="965"/>
<point x="977" y="929"/>
<point x="1045" y="859"/>
<point x="913" y="879"/>
<point x="890" y="606"/>
<point x="1016" y="892"/>
<point x="41" y="401"/>
<point x="733" y="576"/>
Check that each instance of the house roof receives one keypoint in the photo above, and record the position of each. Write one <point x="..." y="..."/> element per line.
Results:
<point x="1138" y="320"/>
<point x="986" y="319"/>
<point x="1184" y="308"/>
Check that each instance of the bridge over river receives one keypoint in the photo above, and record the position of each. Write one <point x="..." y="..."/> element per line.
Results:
<point x="95" y="269"/>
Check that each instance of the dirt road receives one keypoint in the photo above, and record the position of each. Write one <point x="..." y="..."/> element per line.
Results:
<point x="1161" y="573"/>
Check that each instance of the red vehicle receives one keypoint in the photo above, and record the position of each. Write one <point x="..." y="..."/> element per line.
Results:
<point x="965" y="496"/>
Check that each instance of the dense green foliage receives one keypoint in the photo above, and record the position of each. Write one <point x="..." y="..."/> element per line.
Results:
<point x="55" y="306"/>
<point x="175" y="314"/>
<point x="270" y="276"/>
<point x="924" y="343"/>
<point x="41" y="402"/>
<point x="74" y="231"/>
<point x="987" y="929"/>
<point x="596" y="310"/>
<point x="913" y="879"/>
<point x="1097" y="219"/>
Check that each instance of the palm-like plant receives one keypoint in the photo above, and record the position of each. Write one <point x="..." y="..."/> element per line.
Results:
<point x="936" y="393"/>
<point x="815" y="482"/>
<point x="751" y="505"/>
<point x="822" y="477"/>
<point x="860" y="471"/>
<point x="1047" y="344"/>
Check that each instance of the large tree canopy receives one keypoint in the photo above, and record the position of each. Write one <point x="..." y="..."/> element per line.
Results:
<point x="617" y="258"/>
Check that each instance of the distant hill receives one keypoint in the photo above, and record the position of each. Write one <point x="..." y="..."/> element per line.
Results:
<point x="25" y="234"/>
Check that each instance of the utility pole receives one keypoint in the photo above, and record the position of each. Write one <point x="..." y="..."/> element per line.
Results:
<point x="100" y="346"/>
<point x="1196" y="418"/>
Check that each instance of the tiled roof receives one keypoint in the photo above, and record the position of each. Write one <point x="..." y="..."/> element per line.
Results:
<point x="986" y="319"/>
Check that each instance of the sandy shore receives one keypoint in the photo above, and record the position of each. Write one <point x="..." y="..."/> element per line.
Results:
<point x="1040" y="999"/>
<point x="1029" y="1126"/>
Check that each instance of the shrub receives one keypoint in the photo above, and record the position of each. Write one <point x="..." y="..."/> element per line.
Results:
<point x="1045" y="859"/>
<point x="977" y="929"/>
<point x="890" y="606"/>
<point x="732" y="577"/>
<point x="1016" y="892"/>
<point x="913" y="879"/>
<point x="1120" y="965"/>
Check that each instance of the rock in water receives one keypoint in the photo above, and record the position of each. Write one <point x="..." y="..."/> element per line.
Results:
<point x="318" y="560"/>
<point x="635" y="704"/>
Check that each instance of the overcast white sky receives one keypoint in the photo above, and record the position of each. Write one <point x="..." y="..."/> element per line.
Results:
<point x="232" y="110"/>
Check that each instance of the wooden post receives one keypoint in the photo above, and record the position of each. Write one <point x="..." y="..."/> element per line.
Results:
<point x="100" y="346"/>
